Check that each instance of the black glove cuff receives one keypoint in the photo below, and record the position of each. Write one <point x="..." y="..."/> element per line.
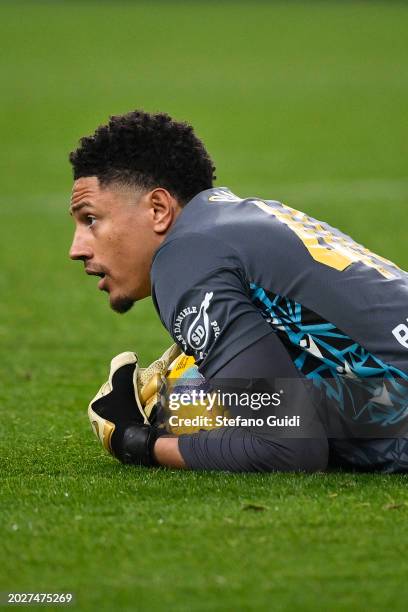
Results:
<point x="135" y="445"/>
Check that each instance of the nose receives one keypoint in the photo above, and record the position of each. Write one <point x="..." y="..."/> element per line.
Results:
<point x="80" y="249"/>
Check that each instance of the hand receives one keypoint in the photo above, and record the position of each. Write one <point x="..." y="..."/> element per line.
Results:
<point x="123" y="411"/>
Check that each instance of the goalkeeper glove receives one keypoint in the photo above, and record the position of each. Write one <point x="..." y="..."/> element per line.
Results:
<point x="124" y="410"/>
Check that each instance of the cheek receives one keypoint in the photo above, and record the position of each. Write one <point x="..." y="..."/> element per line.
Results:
<point x="130" y="255"/>
<point x="129" y="249"/>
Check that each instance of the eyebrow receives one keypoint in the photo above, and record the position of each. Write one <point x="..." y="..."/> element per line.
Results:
<point x="76" y="207"/>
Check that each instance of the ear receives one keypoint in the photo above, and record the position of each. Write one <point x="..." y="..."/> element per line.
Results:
<point x="164" y="210"/>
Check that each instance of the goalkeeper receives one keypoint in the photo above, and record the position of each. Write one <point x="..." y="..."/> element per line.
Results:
<point x="265" y="299"/>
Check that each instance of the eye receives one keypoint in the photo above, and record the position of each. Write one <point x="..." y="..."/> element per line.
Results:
<point x="90" y="220"/>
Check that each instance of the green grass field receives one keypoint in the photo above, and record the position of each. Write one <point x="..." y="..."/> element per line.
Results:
<point x="300" y="101"/>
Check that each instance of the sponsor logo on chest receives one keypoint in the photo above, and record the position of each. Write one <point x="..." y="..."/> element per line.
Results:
<point x="401" y="334"/>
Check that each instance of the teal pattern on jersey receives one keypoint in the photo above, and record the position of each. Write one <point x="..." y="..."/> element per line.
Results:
<point x="361" y="386"/>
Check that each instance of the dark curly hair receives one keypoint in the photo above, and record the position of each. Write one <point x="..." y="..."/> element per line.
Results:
<point x="146" y="150"/>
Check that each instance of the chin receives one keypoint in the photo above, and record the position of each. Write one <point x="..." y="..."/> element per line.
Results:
<point x="121" y="303"/>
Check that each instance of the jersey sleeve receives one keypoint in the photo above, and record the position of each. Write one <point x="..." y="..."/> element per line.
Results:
<point x="200" y="290"/>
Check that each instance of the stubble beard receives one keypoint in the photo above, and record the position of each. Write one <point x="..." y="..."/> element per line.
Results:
<point x="122" y="304"/>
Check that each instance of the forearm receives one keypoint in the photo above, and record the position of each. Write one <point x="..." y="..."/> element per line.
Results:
<point x="238" y="450"/>
<point x="253" y="449"/>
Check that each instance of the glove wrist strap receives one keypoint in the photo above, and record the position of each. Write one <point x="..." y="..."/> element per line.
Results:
<point x="137" y="445"/>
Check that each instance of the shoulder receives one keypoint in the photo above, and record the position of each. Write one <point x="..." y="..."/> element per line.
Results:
<point x="193" y="255"/>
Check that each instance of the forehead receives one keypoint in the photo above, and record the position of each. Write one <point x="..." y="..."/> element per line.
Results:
<point x="86" y="188"/>
<point x="87" y="191"/>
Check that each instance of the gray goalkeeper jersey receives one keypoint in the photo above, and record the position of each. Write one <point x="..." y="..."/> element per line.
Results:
<point x="233" y="270"/>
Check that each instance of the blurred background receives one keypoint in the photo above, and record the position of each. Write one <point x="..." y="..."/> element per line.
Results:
<point x="305" y="102"/>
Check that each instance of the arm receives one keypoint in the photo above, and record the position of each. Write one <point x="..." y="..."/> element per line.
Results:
<point x="166" y="452"/>
<point x="255" y="448"/>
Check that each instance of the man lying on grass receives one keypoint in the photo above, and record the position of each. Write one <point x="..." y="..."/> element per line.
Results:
<point x="303" y="330"/>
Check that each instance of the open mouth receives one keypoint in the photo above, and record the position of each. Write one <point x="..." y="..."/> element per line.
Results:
<point x="95" y="273"/>
<point x="102" y="275"/>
